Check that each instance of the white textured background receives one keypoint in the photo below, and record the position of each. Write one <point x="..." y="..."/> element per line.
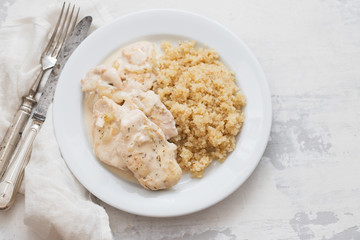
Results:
<point x="307" y="185"/>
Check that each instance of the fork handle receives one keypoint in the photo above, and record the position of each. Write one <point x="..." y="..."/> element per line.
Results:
<point x="12" y="178"/>
<point x="14" y="132"/>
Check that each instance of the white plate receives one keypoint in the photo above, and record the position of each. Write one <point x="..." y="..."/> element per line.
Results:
<point x="189" y="195"/>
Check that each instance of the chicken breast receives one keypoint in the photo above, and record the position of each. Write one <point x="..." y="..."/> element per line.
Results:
<point x="154" y="109"/>
<point x="101" y="77"/>
<point x="136" y="63"/>
<point x="106" y="82"/>
<point x="126" y="139"/>
<point x="150" y="157"/>
<point x="133" y="67"/>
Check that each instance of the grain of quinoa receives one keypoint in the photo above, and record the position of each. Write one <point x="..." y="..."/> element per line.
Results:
<point x="200" y="92"/>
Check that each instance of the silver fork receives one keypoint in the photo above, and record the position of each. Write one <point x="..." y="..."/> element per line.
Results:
<point x="64" y="27"/>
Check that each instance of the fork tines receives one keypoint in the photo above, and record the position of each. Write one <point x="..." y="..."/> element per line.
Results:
<point x="67" y="24"/>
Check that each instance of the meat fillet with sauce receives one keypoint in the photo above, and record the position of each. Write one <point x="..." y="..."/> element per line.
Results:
<point x="130" y="123"/>
<point x="125" y="138"/>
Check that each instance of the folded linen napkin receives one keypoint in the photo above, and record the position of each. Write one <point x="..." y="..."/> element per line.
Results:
<point x="57" y="206"/>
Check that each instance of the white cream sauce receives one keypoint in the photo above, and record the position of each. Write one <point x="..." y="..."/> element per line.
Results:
<point x="123" y="136"/>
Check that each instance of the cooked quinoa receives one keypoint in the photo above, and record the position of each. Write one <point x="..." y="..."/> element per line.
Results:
<point x="201" y="94"/>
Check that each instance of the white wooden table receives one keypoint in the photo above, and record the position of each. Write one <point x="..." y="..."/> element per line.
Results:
<point x="307" y="185"/>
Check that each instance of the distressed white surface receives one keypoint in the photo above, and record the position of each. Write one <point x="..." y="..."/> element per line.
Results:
<point x="307" y="185"/>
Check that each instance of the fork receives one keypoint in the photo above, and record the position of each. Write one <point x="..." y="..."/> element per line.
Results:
<point x="64" y="27"/>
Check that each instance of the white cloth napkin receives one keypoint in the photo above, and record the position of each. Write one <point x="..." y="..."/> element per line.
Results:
<point x="57" y="206"/>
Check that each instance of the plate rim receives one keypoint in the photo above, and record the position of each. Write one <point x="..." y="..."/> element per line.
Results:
<point x="267" y="113"/>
